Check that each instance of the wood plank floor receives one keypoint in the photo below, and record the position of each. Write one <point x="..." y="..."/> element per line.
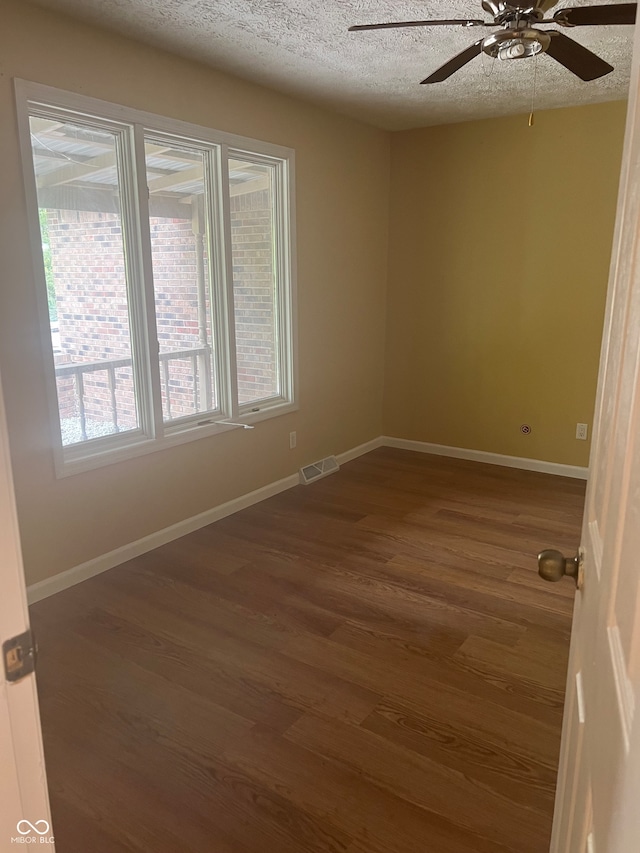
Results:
<point x="366" y="665"/>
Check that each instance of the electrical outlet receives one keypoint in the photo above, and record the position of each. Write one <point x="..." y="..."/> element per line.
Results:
<point x="293" y="440"/>
<point x="581" y="431"/>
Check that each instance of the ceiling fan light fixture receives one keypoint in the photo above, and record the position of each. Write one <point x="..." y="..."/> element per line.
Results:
<point x="518" y="49"/>
<point x="516" y="43"/>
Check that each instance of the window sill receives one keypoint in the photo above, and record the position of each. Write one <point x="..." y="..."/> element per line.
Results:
<point x="69" y="466"/>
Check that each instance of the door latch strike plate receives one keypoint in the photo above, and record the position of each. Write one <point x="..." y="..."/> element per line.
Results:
<point x="19" y="655"/>
<point x="580" y="575"/>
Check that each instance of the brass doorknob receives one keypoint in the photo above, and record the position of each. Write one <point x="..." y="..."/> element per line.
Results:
<point x="553" y="566"/>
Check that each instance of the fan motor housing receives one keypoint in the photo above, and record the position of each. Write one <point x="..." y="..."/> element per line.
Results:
<point x="501" y="10"/>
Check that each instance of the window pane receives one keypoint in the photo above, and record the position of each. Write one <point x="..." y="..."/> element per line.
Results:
<point x="255" y="288"/>
<point x="178" y="224"/>
<point x="78" y="185"/>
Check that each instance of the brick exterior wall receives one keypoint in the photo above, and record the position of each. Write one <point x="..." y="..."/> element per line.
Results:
<point x="92" y="311"/>
<point x="88" y="268"/>
<point x="175" y="252"/>
<point x="254" y="297"/>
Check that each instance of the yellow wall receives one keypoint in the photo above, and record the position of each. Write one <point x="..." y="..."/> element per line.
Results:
<point x="342" y="210"/>
<point x="500" y="238"/>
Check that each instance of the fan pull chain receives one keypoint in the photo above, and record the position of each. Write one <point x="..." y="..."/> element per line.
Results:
<point x="533" y="93"/>
<point x="484" y="65"/>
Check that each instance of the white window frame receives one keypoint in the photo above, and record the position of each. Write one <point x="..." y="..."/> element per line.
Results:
<point x="154" y="434"/>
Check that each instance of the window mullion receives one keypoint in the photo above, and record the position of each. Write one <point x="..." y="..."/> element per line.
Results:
<point x="284" y="274"/>
<point x="280" y="277"/>
<point x="147" y="333"/>
<point x="227" y="282"/>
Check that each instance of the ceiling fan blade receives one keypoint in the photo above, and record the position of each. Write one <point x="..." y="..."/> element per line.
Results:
<point x="454" y="22"/>
<point x="586" y="16"/>
<point x="582" y="62"/>
<point x="455" y="64"/>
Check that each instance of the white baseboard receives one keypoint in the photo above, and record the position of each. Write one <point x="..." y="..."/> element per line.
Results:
<point x="522" y="462"/>
<point x="360" y="450"/>
<point x="77" y="574"/>
<point x="80" y="573"/>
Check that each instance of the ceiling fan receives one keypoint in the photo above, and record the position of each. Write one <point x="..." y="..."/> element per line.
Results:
<point x="517" y="36"/>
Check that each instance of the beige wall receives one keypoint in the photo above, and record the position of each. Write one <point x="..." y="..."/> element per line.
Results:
<point x="342" y="210"/>
<point x="498" y="261"/>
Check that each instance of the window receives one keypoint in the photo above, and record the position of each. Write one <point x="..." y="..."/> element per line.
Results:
<point x="166" y="275"/>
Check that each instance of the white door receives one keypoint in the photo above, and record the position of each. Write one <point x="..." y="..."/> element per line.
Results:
<point x="598" y="796"/>
<point x="24" y="802"/>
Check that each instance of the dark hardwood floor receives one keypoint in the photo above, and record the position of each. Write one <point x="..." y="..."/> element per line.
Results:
<point x="366" y="665"/>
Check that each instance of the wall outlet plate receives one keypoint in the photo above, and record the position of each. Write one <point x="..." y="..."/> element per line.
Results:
<point x="582" y="430"/>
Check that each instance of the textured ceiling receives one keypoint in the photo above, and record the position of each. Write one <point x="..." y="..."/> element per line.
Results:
<point x="303" y="48"/>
